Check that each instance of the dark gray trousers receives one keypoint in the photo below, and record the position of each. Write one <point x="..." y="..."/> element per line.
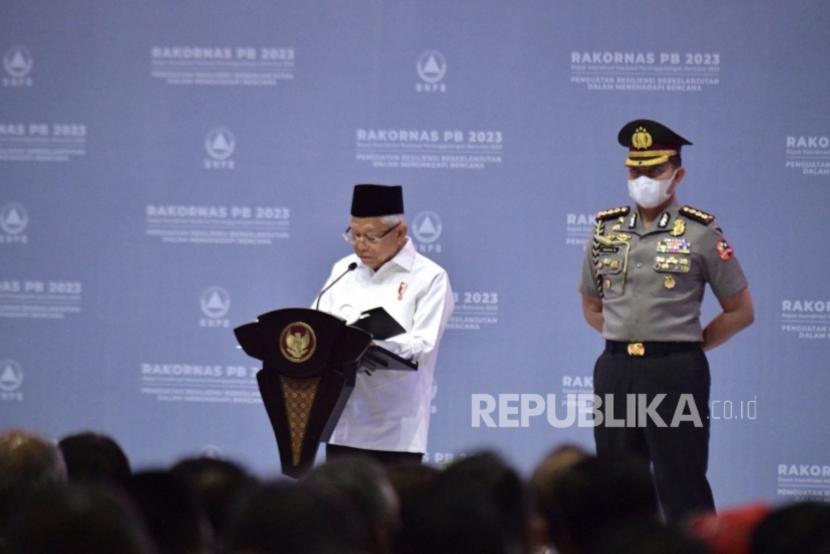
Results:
<point x="678" y="455"/>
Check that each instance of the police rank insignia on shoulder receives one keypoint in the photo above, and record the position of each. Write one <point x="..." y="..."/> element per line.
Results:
<point x="697" y="215"/>
<point x="604" y="215"/>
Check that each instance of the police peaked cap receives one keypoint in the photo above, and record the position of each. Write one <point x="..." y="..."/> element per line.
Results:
<point x="649" y="142"/>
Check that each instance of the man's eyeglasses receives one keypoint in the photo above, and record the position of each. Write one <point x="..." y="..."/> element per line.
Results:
<point x="351" y="238"/>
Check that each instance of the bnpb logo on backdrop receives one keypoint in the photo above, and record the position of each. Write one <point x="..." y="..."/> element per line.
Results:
<point x="13" y="221"/>
<point x="220" y="145"/>
<point x="215" y="303"/>
<point x="427" y="228"/>
<point x="18" y="63"/>
<point x="432" y="68"/>
<point x="11" y="380"/>
<point x="13" y="218"/>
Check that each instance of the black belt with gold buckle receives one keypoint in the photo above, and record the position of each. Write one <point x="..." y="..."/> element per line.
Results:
<point x="638" y="349"/>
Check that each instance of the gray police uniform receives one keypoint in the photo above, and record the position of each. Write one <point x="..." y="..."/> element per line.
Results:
<point x="651" y="283"/>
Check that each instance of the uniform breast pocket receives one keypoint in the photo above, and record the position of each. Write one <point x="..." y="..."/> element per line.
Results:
<point x="674" y="274"/>
<point x="611" y="272"/>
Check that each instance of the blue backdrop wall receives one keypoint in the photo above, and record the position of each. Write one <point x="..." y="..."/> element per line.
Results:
<point x="172" y="170"/>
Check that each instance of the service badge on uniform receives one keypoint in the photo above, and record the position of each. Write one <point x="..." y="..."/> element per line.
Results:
<point x="724" y="250"/>
<point x="678" y="227"/>
<point x="669" y="282"/>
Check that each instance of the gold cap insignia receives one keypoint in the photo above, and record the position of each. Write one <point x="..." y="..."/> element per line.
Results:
<point x="298" y="342"/>
<point x="641" y="139"/>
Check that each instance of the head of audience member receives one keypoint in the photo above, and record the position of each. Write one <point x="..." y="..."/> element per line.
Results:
<point x="542" y="483"/>
<point x="555" y="462"/>
<point x="803" y="527"/>
<point x="592" y="496"/>
<point x="301" y="518"/>
<point x="413" y="485"/>
<point x="170" y="512"/>
<point x="92" y="457"/>
<point x="78" y="519"/>
<point x="28" y="465"/>
<point x="364" y="483"/>
<point x="479" y="505"/>
<point x="729" y="531"/>
<point x="646" y="536"/>
<point x="218" y="485"/>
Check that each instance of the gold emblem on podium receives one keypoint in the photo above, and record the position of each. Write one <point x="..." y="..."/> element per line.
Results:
<point x="298" y="342"/>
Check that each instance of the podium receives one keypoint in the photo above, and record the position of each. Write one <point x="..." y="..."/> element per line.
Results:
<point x="309" y="363"/>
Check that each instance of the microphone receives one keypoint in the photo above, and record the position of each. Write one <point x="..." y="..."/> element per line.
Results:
<point x="352" y="267"/>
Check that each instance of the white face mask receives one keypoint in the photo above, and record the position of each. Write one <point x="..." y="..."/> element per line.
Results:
<point x="648" y="192"/>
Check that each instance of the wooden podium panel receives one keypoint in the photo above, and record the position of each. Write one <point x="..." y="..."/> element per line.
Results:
<point x="309" y="361"/>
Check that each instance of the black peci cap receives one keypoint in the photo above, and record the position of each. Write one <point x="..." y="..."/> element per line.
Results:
<point x="377" y="200"/>
<point x="649" y="142"/>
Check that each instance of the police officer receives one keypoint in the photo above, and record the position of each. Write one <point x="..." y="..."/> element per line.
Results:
<point x="642" y="284"/>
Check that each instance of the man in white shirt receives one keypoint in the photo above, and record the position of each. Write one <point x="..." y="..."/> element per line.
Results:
<point x="387" y="415"/>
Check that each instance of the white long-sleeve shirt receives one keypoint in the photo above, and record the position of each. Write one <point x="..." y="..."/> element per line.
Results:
<point x="389" y="410"/>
